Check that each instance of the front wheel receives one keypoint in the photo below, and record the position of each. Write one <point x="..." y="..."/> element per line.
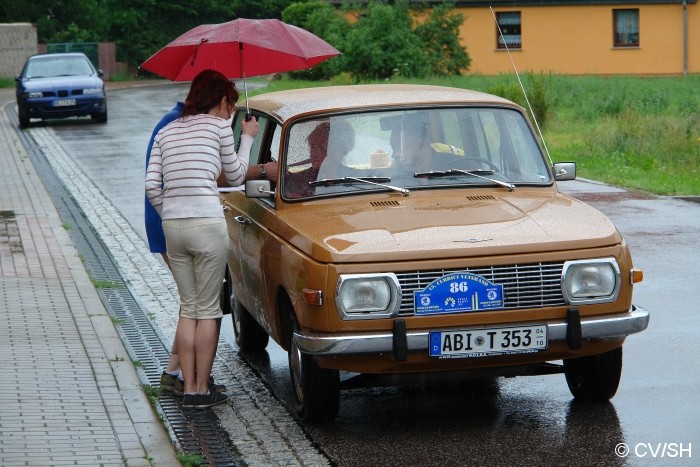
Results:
<point x="249" y="335"/>
<point x="596" y="377"/>
<point x="23" y="115"/>
<point x="100" y="118"/>
<point x="316" y="390"/>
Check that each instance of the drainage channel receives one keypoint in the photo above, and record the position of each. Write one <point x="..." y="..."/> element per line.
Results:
<point x="196" y="432"/>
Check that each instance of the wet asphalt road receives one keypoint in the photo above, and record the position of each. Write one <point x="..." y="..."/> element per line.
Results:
<point x="528" y="421"/>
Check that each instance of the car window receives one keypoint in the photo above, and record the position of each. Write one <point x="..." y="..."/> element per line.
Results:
<point x="275" y="143"/>
<point x="406" y="146"/>
<point x="51" y="67"/>
<point x="256" y="153"/>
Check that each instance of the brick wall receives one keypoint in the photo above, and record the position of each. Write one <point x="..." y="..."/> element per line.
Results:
<point x="17" y="42"/>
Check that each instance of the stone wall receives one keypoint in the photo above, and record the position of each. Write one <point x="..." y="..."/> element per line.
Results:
<point x="17" y="42"/>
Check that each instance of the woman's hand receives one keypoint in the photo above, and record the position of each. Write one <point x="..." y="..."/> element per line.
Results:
<point x="251" y="127"/>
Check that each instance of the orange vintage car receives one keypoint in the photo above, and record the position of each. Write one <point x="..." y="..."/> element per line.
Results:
<point x="417" y="232"/>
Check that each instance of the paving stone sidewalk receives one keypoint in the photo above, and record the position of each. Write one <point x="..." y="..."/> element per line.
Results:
<point x="69" y="393"/>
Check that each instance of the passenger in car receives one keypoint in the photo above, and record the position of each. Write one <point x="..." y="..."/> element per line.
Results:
<point x="410" y="145"/>
<point x="341" y="140"/>
<point x="297" y="183"/>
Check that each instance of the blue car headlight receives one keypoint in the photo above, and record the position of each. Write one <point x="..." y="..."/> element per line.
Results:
<point x="92" y="91"/>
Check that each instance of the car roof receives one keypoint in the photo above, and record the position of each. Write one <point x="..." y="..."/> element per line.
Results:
<point x="285" y="105"/>
<point x="59" y="54"/>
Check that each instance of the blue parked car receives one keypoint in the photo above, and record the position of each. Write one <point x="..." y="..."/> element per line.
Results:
<point x="60" y="85"/>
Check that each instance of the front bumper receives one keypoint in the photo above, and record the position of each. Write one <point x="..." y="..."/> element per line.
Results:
<point x="591" y="328"/>
<point x="83" y="107"/>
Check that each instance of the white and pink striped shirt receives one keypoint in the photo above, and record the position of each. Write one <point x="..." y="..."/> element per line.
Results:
<point x="187" y="157"/>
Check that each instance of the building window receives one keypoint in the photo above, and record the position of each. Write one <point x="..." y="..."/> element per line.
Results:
<point x="626" y="27"/>
<point x="509" y="26"/>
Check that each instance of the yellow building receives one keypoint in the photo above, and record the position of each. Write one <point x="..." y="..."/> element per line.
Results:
<point x="644" y="37"/>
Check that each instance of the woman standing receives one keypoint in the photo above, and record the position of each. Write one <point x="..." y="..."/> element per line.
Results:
<point x="187" y="157"/>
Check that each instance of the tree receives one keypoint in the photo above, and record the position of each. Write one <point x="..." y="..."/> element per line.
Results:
<point x="141" y="27"/>
<point x="439" y="34"/>
<point x="327" y="23"/>
<point x="383" y="43"/>
<point x="59" y="20"/>
<point x="260" y="8"/>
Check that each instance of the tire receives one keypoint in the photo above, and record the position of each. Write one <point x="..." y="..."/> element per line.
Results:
<point x="249" y="335"/>
<point x="100" y="118"/>
<point x="23" y="116"/>
<point x="316" y="390"/>
<point x="594" y="378"/>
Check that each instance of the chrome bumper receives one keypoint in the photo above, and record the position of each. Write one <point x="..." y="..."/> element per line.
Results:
<point x="595" y="327"/>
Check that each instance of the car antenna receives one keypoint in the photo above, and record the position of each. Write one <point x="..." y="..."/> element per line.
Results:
<point x="532" y="112"/>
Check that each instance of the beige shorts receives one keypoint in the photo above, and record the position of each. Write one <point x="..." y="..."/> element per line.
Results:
<point x="197" y="250"/>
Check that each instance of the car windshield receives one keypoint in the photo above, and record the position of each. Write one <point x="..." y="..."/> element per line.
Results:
<point x="412" y="149"/>
<point x="52" y="67"/>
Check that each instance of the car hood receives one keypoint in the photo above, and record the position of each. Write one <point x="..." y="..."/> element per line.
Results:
<point x="62" y="82"/>
<point x="419" y="226"/>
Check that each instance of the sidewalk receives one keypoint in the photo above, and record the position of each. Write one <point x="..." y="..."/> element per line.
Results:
<point x="69" y="393"/>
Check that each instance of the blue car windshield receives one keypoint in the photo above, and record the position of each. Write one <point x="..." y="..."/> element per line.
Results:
<point x="52" y="67"/>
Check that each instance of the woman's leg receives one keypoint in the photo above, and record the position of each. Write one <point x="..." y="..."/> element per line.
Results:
<point x="185" y="337"/>
<point x="183" y="270"/>
<point x="205" y="341"/>
<point x="209" y="266"/>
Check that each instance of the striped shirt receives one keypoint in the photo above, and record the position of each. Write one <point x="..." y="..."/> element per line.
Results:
<point x="187" y="157"/>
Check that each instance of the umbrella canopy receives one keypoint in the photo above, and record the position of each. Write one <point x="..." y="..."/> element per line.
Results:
<point x="239" y="49"/>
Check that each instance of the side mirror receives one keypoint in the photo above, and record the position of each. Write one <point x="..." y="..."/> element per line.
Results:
<point x="564" y="171"/>
<point x="258" y="189"/>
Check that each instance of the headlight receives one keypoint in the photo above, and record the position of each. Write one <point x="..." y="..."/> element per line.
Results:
<point x="92" y="91"/>
<point x="591" y="281"/>
<point x="35" y="94"/>
<point x="367" y="296"/>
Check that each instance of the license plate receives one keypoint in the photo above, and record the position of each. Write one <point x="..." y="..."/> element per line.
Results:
<point x="64" y="102"/>
<point x="488" y="341"/>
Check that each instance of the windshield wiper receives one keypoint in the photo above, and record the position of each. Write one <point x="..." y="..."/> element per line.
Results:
<point x="368" y="180"/>
<point x="479" y="173"/>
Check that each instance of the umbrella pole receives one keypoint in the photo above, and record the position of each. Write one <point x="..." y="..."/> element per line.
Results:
<point x="247" y="109"/>
<point x="245" y="84"/>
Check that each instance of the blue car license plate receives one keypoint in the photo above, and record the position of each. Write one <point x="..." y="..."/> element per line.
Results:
<point x="64" y="102"/>
<point x="488" y="341"/>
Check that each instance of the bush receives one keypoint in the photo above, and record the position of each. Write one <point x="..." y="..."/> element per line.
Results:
<point x="439" y="35"/>
<point x="383" y="44"/>
<point x="536" y="89"/>
<point x="327" y="23"/>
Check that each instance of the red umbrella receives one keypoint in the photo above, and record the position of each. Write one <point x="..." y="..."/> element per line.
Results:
<point x="239" y="49"/>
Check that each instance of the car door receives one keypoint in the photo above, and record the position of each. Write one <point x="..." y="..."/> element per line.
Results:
<point x="250" y="241"/>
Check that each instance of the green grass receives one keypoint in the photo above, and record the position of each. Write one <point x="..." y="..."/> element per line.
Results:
<point x="635" y="132"/>
<point x="190" y="460"/>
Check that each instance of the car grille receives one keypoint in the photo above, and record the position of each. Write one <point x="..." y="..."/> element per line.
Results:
<point x="63" y="93"/>
<point x="524" y="285"/>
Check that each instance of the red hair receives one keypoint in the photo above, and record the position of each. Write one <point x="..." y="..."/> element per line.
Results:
<point x="206" y="91"/>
